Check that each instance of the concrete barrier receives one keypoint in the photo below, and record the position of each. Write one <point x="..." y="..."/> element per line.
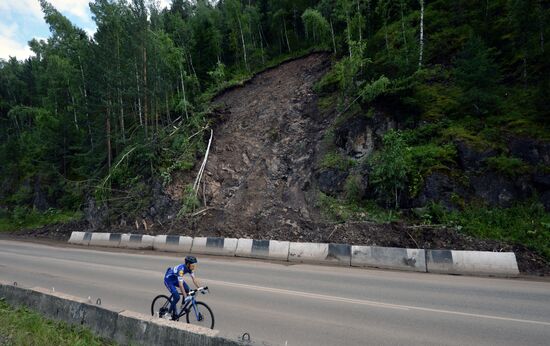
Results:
<point x="137" y="241"/>
<point x="472" y="262"/>
<point x="105" y="239"/>
<point x="173" y="243"/>
<point x="124" y="327"/>
<point x="389" y="258"/>
<point x="270" y="249"/>
<point x="214" y="246"/>
<point x="320" y="253"/>
<point x="435" y="261"/>
<point x="80" y="238"/>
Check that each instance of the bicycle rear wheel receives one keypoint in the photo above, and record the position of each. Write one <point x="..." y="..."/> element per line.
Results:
<point x="202" y="316"/>
<point x="160" y="305"/>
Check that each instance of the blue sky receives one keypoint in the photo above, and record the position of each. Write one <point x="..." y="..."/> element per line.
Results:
<point x="23" y="20"/>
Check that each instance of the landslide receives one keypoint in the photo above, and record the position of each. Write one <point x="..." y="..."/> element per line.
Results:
<point x="260" y="177"/>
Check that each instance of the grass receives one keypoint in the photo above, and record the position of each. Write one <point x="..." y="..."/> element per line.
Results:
<point x="336" y="210"/>
<point x="525" y="223"/>
<point x="23" y="218"/>
<point x="23" y="327"/>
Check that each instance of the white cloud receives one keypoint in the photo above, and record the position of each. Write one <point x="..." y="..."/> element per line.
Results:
<point x="78" y="8"/>
<point x="10" y="47"/>
<point x="27" y="7"/>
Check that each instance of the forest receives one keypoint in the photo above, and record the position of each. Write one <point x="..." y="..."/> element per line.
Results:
<point x="97" y="119"/>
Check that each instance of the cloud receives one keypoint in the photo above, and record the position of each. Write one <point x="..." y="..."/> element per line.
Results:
<point x="10" y="47"/>
<point x="27" y="7"/>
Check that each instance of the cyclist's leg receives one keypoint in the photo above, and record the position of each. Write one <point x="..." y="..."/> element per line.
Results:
<point x="175" y="296"/>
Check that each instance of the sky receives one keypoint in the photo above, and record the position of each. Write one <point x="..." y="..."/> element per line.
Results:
<point x="23" y="20"/>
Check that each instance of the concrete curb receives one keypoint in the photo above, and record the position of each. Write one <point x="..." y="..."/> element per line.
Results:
<point x="214" y="246"/>
<point x="388" y="257"/>
<point x="472" y="262"/>
<point x="80" y="238"/>
<point x="173" y="243"/>
<point x="124" y="327"/>
<point x="105" y="239"/>
<point x="339" y="254"/>
<point x="419" y="260"/>
<point x="268" y="249"/>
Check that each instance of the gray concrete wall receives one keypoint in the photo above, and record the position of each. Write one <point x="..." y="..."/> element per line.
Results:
<point x="420" y="260"/>
<point x="124" y="327"/>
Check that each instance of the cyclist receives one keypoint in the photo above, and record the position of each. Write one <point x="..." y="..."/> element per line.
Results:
<point x="173" y="279"/>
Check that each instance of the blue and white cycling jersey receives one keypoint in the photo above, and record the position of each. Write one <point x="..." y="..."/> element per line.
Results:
<point x="177" y="273"/>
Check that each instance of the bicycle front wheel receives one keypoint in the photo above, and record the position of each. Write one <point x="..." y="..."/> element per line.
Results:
<point x="160" y="306"/>
<point x="200" y="314"/>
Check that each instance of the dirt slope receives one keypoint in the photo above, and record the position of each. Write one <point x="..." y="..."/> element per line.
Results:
<point x="258" y="175"/>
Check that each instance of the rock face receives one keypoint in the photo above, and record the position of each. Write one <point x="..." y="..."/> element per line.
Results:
<point x="439" y="188"/>
<point x="331" y="181"/>
<point x="530" y="151"/>
<point x="360" y="136"/>
<point x="471" y="159"/>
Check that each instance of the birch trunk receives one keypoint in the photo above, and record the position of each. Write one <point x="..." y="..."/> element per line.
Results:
<point x="421" y="34"/>
<point x="403" y="33"/>
<point x="286" y="36"/>
<point x="145" y="98"/>
<point x="183" y="93"/>
<point x="333" y="39"/>
<point x="138" y="97"/>
<point x="85" y="93"/>
<point x="242" y="40"/>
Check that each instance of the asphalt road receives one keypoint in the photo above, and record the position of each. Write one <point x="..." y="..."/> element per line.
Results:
<point x="302" y="304"/>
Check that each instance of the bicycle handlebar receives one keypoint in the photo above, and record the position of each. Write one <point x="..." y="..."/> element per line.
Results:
<point x="202" y="290"/>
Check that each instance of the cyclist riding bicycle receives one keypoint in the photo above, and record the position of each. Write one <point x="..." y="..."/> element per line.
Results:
<point x="173" y="279"/>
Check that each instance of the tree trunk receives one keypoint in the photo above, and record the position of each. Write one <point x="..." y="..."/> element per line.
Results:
<point x="183" y="92"/>
<point x="242" y="40"/>
<point x="138" y="97"/>
<point x="145" y="92"/>
<point x="421" y="34"/>
<point x="333" y="39"/>
<point x="286" y="36"/>
<point x="403" y="33"/>
<point x="85" y="93"/>
<point x="108" y="132"/>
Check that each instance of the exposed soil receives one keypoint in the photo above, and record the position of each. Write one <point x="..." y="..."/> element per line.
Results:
<point x="259" y="180"/>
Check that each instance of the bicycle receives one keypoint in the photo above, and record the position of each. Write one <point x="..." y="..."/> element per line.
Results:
<point x="195" y="312"/>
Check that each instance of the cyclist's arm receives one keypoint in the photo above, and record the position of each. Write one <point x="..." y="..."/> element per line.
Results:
<point x="195" y="281"/>
<point x="183" y="293"/>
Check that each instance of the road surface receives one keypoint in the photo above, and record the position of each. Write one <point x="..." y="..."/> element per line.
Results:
<point x="301" y="304"/>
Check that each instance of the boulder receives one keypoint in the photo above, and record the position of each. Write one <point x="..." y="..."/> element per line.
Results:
<point x="331" y="181"/>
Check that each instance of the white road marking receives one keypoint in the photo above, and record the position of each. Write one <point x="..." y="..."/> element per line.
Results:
<point x="372" y="303"/>
<point x="315" y="295"/>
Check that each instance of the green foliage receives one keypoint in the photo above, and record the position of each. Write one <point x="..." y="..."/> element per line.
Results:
<point x="316" y="26"/>
<point x="20" y="326"/>
<point x="374" y="89"/>
<point x="510" y="166"/>
<point x="352" y="188"/>
<point x="23" y="218"/>
<point x="478" y="76"/>
<point x="189" y="202"/>
<point x="390" y="168"/>
<point x="336" y="210"/>
<point x="526" y="224"/>
<point x="336" y="160"/>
